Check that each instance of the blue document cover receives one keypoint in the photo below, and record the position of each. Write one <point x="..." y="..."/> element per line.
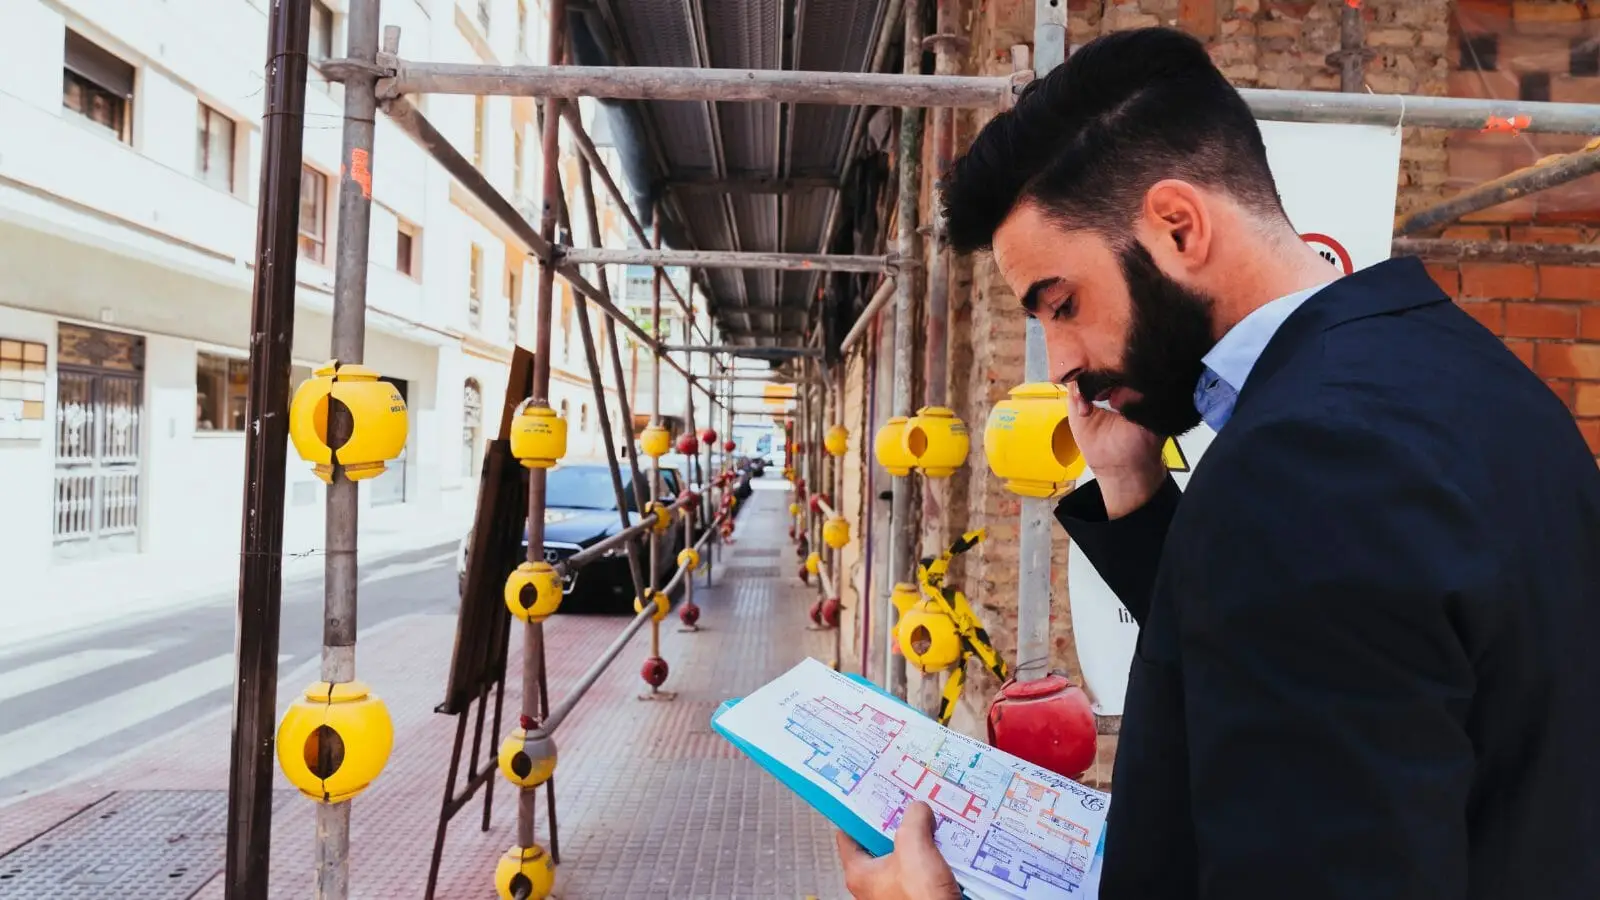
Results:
<point x="829" y="804"/>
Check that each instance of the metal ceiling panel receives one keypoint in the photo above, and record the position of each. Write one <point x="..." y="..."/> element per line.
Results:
<point x="834" y="36"/>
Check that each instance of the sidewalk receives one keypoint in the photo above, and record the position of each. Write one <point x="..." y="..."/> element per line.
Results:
<point x="651" y="802"/>
<point x="95" y="594"/>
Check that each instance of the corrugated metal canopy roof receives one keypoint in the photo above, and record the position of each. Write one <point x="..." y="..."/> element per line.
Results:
<point x="701" y="152"/>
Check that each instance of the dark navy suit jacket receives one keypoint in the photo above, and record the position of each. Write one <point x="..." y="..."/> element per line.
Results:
<point x="1368" y="665"/>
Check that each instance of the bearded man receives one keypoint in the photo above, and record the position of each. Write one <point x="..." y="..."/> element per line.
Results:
<point x="1369" y="653"/>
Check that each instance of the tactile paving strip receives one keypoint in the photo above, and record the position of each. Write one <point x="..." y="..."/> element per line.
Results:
<point x="133" y="845"/>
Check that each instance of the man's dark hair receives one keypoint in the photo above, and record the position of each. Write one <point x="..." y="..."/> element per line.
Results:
<point x="1089" y="139"/>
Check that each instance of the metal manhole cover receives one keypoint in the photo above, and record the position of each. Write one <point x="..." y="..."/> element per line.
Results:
<point x="139" y="845"/>
<point x="758" y="552"/>
<point x="755" y="571"/>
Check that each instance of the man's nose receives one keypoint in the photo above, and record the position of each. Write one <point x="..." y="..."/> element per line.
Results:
<point x="1064" y="354"/>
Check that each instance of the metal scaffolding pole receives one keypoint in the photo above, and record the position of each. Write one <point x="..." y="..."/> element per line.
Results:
<point x="534" y="702"/>
<point x="416" y="126"/>
<point x="903" y="531"/>
<point x="745" y="351"/>
<point x="657" y="276"/>
<point x="1550" y="172"/>
<point x="260" y="604"/>
<point x="1443" y="250"/>
<point x="586" y="149"/>
<point x="729" y="259"/>
<point x="922" y="91"/>
<point x="341" y="576"/>
<point x="1033" y="576"/>
<point x="936" y="326"/>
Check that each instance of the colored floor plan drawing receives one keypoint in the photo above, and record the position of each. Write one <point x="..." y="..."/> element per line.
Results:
<point x="844" y="744"/>
<point x="1009" y="829"/>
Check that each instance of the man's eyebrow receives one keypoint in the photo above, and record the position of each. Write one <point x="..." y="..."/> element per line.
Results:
<point x="1030" y="300"/>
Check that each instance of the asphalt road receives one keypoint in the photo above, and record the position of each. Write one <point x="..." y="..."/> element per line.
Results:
<point x="72" y="704"/>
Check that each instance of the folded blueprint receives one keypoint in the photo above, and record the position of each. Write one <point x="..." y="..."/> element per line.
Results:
<point x="1009" y="829"/>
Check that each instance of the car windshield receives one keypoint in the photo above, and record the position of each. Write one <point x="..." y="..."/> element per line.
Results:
<point x="581" y="487"/>
<point x="589" y="487"/>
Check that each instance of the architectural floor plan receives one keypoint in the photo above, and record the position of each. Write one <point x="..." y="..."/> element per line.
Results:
<point x="1008" y="828"/>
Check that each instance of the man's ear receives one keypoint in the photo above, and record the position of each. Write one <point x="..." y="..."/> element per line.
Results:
<point x="1175" y="224"/>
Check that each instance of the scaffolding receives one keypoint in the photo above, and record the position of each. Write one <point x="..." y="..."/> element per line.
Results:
<point x="377" y="78"/>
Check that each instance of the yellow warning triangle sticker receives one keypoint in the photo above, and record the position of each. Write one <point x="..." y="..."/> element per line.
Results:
<point x="1172" y="455"/>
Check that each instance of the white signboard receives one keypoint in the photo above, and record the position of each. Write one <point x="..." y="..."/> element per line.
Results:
<point x="1338" y="184"/>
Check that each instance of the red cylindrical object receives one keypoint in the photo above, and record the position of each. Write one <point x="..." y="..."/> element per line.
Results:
<point x="687" y="445"/>
<point x="816" y="612"/>
<point x="654" y="671"/>
<point x="689" y="614"/>
<point x="830" y="612"/>
<point x="729" y="446"/>
<point x="1047" y="722"/>
<point x="708" y="436"/>
<point x="800" y="486"/>
<point x="805" y="576"/>
<point x="817" y="500"/>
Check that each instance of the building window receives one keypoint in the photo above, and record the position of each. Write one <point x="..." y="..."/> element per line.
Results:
<point x="522" y="27"/>
<point x="1534" y="86"/>
<point x="1480" y="52"/>
<point x="475" y="287"/>
<point x="98" y="87"/>
<point x="405" y="251"/>
<point x="22" y="379"/>
<point x="213" y="152"/>
<point x="514" y="298"/>
<point x="583" y="419"/>
<point x="1584" y="60"/>
<point x="471" y="423"/>
<point x="221" y="387"/>
<point x="477" y="132"/>
<point x="483" y="15"/>
<point x="313" y="214"/>
<point x="516" y="163"/>
<point x="320" y="48"/>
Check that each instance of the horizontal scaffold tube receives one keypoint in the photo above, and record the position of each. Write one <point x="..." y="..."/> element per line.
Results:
<point x="729" y="259"/>
<point x="873" y="89"/>
<point x="593" y="552"/>
<point x="560" y="711"/>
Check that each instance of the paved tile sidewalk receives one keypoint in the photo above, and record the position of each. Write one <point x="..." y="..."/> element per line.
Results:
<point x="652" y="803"/>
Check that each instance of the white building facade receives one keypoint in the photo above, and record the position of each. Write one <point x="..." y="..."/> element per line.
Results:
<point x="130" y="151"/>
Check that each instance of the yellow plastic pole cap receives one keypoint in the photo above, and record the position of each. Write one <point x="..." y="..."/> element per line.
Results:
<point x="663" y="520"/>
<point x="814" y="563"/>
<point x="836" y="532"/>
<point x="837" y="441"/>
<point x="662" y="604"/>
<point x="1028" y="441"/>
<point x="889" y="447"/>
<point x="794" y="509"/>
<point x="379" y="423"/>
<point x="525" y="872"/>
<point x="905" y="595"/>
<point x="689" y="559"/>
<point x="928" y="638"/>
<point x="538" y="436"/>
<point x="654" y="441"/>
<point x="334" y="741"/>
<point x="533" y="591"/>
<point x="527" y="762"/>
<point x="937" y="441"/>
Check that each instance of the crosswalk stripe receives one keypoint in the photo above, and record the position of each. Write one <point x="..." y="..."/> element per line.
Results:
<point x="50" y="672"/>
<point x="74" y="729"/>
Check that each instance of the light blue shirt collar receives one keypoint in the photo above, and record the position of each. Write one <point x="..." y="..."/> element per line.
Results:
<point x="1228" y="365"/>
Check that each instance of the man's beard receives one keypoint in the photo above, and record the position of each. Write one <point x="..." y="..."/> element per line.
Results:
<point x="1169" y="334"/>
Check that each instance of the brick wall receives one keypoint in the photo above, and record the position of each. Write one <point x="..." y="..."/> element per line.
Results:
<point x="1550" y="315"/>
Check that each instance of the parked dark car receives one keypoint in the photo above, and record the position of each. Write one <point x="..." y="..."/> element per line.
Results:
<point x="580" y="511"/>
